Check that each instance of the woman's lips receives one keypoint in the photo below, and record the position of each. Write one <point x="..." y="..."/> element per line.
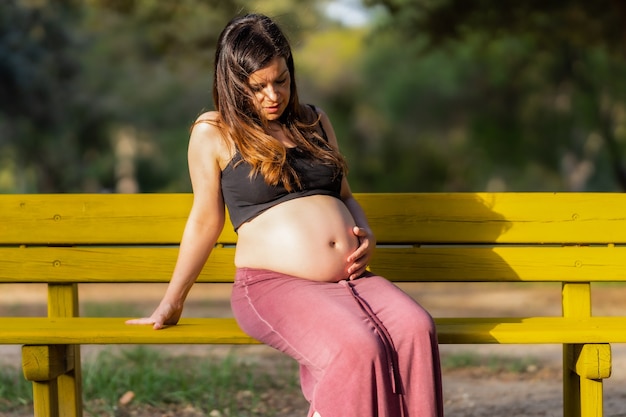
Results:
<point x="272" y="109"/>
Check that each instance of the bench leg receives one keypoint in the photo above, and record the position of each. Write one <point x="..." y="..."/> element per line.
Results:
<point x="591" y="397"/>
<point x="45" y="401"/>
<point x="571" y="384"/>
<point x="70" y="386"/>
<point x="63" y="302"/>
<point x="55" y="377"/>
<point x="585" y="366"/>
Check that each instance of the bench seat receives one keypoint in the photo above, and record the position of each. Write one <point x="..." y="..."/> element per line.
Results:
<point x="501" y="330"/>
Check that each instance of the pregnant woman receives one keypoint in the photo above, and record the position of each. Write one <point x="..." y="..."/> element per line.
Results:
<point x="365" y="348"/>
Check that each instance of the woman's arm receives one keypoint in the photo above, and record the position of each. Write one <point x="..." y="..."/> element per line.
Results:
<point x="367" y="242"/>
<point x="204" y="224"/>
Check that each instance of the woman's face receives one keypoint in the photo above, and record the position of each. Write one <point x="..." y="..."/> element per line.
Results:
<point x="272" y="88"/>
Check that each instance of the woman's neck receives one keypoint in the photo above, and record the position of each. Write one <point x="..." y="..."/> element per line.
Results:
<point x="278" y="131"/>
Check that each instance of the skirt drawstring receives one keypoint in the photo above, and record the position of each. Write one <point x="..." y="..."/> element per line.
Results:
<point x="382" y="332"/>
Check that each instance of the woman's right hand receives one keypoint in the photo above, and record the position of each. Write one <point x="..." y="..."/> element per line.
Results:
<point x="166" y="314"/>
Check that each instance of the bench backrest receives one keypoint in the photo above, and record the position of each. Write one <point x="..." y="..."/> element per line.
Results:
<point x="561" y="237"/>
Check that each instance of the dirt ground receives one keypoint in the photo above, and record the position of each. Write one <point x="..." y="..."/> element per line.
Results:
<point x="468" y="392"/>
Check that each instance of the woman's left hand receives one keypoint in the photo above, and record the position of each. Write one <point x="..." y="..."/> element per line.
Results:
<point x="361" y="256"/>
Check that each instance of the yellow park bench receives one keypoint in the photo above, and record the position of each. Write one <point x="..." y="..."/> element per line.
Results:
<point x="574" y="239"/>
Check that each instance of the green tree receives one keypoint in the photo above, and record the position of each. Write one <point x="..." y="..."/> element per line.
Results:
<point x="48" y="125"/>
<point x="544" y="95"/>
<point x="86" y="87"/>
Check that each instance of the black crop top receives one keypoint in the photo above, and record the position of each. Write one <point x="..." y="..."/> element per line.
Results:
<point x="247" y="197"/>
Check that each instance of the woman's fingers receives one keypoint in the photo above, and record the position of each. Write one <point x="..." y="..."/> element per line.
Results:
<point x="156" y="323"/>
<point x="143" y="320"/>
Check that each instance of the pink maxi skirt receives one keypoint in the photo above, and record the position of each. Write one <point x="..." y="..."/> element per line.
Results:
<point x="365" y="348"/>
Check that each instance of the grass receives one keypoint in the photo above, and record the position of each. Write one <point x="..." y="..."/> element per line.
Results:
<point x="14" y="389"/>
<point x="493" y="363"/>
<point x="225" y="384"/>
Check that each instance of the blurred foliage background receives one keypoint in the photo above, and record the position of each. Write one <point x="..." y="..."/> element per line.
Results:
<point x="425" y="95"/>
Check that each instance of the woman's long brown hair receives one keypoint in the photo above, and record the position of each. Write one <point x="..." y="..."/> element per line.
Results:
<point x="248" y="44"/>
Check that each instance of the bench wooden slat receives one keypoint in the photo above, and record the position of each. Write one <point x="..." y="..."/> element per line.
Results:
<point x="105" y="264"/>
<point x="401" y="218"/>
<point x="89" y="330"/>
<point x="502" y="264"/>
<point x="535" y="330"/>
<point x="512" y="217"/>
<point x="457" y="264"/>
<point x="96" y="219"/>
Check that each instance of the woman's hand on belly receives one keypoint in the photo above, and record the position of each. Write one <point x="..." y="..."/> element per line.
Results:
<point x="360" y="258"/>
<point x="310" y="237"/>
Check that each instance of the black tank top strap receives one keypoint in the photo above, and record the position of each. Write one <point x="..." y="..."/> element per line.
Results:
<point x="321" y="125"/>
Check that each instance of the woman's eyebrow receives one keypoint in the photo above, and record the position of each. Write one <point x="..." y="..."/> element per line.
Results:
<point x="260" y="84"/>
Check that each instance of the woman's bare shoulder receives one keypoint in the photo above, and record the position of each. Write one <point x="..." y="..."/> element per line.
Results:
<point x="208" y="138"/>
<point x="207" y="123"/>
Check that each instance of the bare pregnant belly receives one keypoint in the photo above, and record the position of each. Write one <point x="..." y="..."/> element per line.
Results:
<point x="309" y="237"/>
